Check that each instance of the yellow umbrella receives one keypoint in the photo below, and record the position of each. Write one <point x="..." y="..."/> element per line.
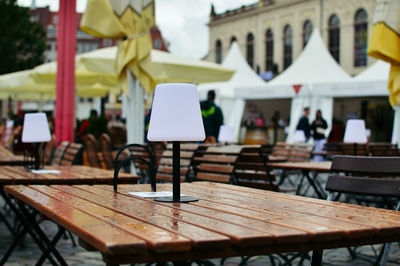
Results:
<point x="384" y="44"/>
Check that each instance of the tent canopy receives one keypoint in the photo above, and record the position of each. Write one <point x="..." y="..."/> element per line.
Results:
<point x="243" y="77"/>
<point x="313" y="66"/>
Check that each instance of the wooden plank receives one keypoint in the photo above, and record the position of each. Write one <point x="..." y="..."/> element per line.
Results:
<point x="239" y="234"/>
<point x="215" y="158"/>
<point x="385" y="224"/>
<point x="286" y="234"/>
<point x="207" y="167"/>
<point x="213" y="177"/>
<point x="80" y="223"/>
<point x="157" y="239"/>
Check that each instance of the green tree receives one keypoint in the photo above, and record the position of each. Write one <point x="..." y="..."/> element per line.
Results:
<point x="22" y="41"/>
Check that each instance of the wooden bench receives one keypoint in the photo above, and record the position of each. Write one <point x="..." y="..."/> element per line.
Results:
<point x="383" y="149"/>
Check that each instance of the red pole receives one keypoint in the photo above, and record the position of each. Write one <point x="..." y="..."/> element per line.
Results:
<point x="66" y="43"/>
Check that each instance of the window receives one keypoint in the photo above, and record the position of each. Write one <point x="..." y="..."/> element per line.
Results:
<point x="307" y="30"/>
<point x="334" y="37"/>
<point x="233" y="39"/>
<point x="218" y="52"/>
<point x="269" y="50"/>
<point x="287" y="46"/>
<point x="250" y="49"/>
<point x="55" y="19"/>
<point x="360" y="38"/>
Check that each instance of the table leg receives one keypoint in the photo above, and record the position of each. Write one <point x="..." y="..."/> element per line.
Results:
<point x="26" y="228"/>
<point x="316" y="259"/>
<point x="319" y="192"/>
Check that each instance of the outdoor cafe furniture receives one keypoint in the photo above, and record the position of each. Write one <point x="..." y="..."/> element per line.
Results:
<point x="309" y="172"/>
<point x="8" y="158"/>
<point x="226" y="221"/>
<point x="67" y="175"/>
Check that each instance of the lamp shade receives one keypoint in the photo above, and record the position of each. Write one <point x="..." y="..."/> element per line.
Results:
<point x="355" y="131"/>
<point x="36" y="128"/>
<point x="299" y="136"/>
<point x="225" y="134"/>
<point x="176" y="114"/>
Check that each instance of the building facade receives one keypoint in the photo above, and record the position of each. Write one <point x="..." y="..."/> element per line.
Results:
<point x="272" y="33"/>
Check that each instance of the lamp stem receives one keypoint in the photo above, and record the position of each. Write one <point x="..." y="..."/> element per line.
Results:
<point x="176" y="171"/>
<point x="37" y="156"/>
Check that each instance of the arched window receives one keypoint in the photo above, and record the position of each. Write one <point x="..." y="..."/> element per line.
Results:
<point x="287" y="46"/>
<point x="307" y="30"/>
<point x="360" y="38"/>
<point x="233" y="39"/>
<point x="218" y="51"/>
<point x="269" y="50"/>
<point x="250" y="49"/>
<point x="334" y="37"/>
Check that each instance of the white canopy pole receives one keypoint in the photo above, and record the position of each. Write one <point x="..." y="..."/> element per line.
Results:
<point x="135" y="111"/>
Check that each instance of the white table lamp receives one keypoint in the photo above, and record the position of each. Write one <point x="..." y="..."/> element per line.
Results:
<point x="226" y="134"/>
<point x="299" y="136"/>
<point x="355" y="132"/>
<point x="36" y="130"/>
<point x="176" y="116"/>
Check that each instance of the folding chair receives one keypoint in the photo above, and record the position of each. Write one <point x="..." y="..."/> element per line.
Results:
<point x="367" y="176"/>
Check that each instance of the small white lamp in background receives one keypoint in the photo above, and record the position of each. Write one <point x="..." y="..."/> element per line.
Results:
<point x="176" y="116"/>
<point x="226" y="134"/>
<point x="36" y="130"/>
<point x="299" y="136"/>
<point x="355" y="132"/>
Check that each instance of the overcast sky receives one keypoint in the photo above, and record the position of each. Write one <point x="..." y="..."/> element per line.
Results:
<point x="183" y="23"/>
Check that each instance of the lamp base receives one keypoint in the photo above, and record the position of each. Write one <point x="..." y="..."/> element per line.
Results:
<point x="171" y="199"/>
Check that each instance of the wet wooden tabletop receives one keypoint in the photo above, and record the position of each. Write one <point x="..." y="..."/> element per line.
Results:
<point x="307" y="166"/>
<point x="227" y="220"/>
<point x="75" y="174"/>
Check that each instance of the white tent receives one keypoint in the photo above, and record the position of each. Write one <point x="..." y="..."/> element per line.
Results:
<point x="233" y="107"/>
<point x="315" y="65"/>
<point x="371" y="82"/>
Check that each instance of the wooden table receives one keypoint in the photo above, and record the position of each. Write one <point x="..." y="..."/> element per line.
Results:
<point x="227" y="221"/>
<point x="75" y="174"/>
<point x="306" y="168"/>
<point x="9" y="158"/>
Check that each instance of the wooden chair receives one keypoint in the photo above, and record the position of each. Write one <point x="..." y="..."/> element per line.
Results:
<point x="90" y="150"/>
<point x="383" y="149"/>
<point x="251" y="168"/>
<point x="217" y="164"/>
<point x="187" y="153"/>
<point x="350" y="149"/>
<point x="59" y="152"/>
<point x="142" y="158"/>
<point x="71" y="154"/>
<point x="106" y="149"/>
<point x="367" y="176"/>
<point x="49" y="150"/>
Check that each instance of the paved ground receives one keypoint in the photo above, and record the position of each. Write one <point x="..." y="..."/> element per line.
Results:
<point x="29" y="253"/>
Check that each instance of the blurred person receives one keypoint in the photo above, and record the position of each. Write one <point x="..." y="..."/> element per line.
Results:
<point x="304" y="123"/>
<point x="212" y="115"/>
<point x="318" y="128"/>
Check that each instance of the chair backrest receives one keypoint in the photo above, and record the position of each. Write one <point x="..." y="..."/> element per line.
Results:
<point x="251" y="169"/>
<point x="49" y="150"/>
<point x="59" y="152"/>
<point x="383" y="149"/>
<point x="351" y="149"/>
<point x="293" y="152"/>
<point x="216" y="164"/>
<point x="106" y="149"/>
<point x="187" y="153"/>
<point x="366" y="165"/>
<point x="71" y="154"/>
<point x="90" y="147"/>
